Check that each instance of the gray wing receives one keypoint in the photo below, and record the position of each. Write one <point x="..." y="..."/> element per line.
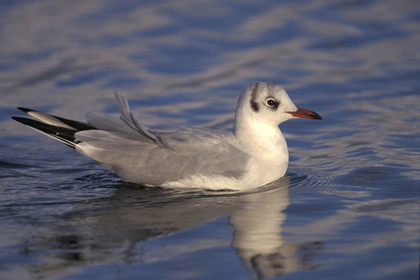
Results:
<point x="155" y="156"/>
<point x="129" y="118"/>
<point x="136" y="159"/>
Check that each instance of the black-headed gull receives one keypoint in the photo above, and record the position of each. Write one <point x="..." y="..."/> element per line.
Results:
<point x="253" y="154"/>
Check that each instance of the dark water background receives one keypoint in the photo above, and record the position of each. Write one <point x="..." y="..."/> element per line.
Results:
<point x="349" y="206"/>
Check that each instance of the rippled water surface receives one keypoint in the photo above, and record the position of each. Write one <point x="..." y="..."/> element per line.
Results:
<point x="348" y="207"/>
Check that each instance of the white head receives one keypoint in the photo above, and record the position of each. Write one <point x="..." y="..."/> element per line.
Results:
<point x="269" y="104"/>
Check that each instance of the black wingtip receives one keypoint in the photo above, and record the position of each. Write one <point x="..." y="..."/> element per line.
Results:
<point x="75" y="124"/>
<point x="62" y="134"/>
<point x="19" y="119"/>
<point x="26" y="110"/>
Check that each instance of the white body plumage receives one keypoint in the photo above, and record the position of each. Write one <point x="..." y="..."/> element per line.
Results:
<point x="253" y="155"/>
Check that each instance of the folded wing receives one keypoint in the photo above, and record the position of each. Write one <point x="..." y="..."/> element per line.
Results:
<point x="140" y="154"/>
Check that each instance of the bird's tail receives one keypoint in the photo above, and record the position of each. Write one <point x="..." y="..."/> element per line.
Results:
<point x="60" y="129"/>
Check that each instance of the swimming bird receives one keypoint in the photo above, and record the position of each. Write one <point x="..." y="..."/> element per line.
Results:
<point x="252" y="155"/>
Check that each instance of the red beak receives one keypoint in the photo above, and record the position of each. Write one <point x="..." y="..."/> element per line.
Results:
<point x="307" y="114"/>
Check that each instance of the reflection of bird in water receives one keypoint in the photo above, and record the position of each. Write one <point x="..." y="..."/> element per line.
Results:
<point x="253" y="155"/>
<point x="257" y="237"/>
<point x="120" y="227"/>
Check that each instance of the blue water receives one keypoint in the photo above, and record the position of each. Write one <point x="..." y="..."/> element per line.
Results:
<point x="348" y="207"/>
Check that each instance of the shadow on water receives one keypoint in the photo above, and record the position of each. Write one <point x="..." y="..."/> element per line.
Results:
<point x="116" y="227"/>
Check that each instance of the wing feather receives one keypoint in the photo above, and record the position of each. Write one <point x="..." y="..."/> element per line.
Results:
<point x="205" y="153"/>
<point x="129" y="118"/>
<point x="142" y="155"/>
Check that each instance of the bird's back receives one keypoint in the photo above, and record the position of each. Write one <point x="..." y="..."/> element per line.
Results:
<point x="179" y="155"/>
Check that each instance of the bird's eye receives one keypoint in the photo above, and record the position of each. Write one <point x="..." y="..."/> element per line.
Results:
<point x="271" y="102"/>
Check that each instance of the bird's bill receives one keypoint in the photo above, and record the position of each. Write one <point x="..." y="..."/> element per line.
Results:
<point x="307" y="114"/>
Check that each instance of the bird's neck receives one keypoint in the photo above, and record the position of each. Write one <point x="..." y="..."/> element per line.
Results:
<point x="267" y="148"/>
<point x="261" y="139"/>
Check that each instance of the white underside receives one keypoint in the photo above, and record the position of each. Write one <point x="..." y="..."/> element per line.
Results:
<point x="254" y="176"/>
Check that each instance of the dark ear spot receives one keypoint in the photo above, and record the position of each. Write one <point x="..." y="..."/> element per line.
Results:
<point x="254" y="105"/>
